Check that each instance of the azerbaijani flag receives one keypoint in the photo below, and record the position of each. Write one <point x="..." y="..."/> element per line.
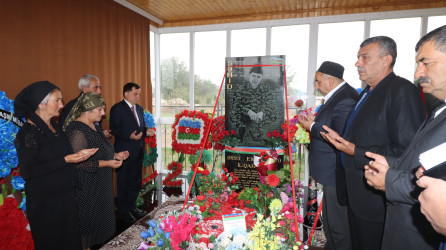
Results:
<point x="190" y="130"/>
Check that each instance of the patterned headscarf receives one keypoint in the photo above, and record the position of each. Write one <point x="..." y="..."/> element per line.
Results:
<point x="86" y="102"/>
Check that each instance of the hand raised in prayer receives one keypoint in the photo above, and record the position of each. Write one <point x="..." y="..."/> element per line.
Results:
<point x="81" y="155"/>
<point x="123" y="155"/>
<point x="135" y="136"/>
<point x="340" y="143"/>
<point x="306" y="120"/>
<point x="150" y="132"/>
<point x="376" y="171"/>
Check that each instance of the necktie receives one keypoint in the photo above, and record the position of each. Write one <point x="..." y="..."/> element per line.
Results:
<point x="434" y="110"/>
<point x="134" y="113"/>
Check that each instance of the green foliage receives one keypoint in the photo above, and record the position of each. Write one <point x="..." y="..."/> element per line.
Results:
<point x="175" y="83"/>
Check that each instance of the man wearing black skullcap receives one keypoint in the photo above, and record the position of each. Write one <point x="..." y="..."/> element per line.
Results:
<point x="384" y="121"/>
<point x="340" y="98"/>
<point x="45" y="160"/>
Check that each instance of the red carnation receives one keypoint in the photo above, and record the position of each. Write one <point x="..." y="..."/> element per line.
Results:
<point x="205" y="172"/>
<point x="201" y="197"/>
<point x="299" y="103"/>
<point x="273" y="180"/>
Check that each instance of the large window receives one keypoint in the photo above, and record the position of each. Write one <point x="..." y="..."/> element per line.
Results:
<point x="293" y="42"/>
<point x="248" y="42"/>
<point x="435" y="22"/>
<point x="406" y="33"/>
<point x="210" y="52"/>
<point x="339" y="42"/>
<point x="306" y="43"/>
<point x="174" y="60"/>
<point x="152" y="71"/>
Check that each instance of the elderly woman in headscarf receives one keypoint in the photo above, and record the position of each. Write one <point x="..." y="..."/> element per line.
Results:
<point x="45" y="160"/>
<point x="95" y="193"/>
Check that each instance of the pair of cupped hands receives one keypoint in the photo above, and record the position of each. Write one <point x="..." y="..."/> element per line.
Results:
<point x="84" y="154"/>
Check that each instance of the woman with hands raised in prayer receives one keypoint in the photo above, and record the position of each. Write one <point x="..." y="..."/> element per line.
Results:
<point x="95" y="193"/>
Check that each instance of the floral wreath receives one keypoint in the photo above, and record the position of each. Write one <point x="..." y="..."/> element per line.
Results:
<point x="12" y="218"/>
<point x="150" y="158"/>
<point x="9" y="126"/>
<point x="188" y="134"/>
<point x="170" y="180"/>
<point x="217" y="129"/>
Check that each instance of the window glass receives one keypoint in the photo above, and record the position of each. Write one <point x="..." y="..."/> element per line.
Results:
<point x="174" y="59"/>
<point x="406" y="33"/>
<point x="152" y="71"/>
<point x="435" y="22"/>
<point x="210" y="52"/>
<point x="293" y="42"/>
<point x="248" y="42"/>
<point x="339" y="42"/>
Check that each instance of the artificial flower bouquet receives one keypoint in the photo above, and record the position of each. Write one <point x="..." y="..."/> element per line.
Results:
<point x="200" y="225"/>
<point x="173" y="232"/>
<point x="217" y="132"/>
<point x="229" y="138"/>
<point x="171" y="179"/>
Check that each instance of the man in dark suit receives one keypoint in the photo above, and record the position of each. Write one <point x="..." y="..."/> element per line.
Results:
<point x="406" y="227"/>
<point x="128" y="127"/>
<point x="384" y="121"/>
<point x="340" y="98"/>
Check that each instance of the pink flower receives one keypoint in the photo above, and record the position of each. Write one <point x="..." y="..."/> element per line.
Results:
<point x="300" y="219"/>
<point x="289" y="216"/>
<point x="284" y="198"/>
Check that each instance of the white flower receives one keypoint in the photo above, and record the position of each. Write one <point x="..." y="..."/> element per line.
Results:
<point x="225" y="242"/>
<point x="239" y="240"/>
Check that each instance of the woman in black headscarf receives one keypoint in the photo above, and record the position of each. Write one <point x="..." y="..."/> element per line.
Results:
<point x="45" y="161"/>
<point x="96" y="211"/>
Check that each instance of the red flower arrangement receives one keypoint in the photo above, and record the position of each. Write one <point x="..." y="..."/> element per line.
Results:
<point x="228" y="178"/>
<point x="170" y="179"/>
<point x="149" y="177"/>
<point x="217" y="127"/>
<point x="189" y="129"/>
<point x="299" y="103"/>
<point x="13" y="232"/>
<point x="151" y="140"/>
<point x="293" y="129"/>
<point x="273" y="180"/>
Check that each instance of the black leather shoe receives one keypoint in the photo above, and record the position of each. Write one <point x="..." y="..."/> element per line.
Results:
<point x="128" y="218"/>
<point x="137" y="213"/>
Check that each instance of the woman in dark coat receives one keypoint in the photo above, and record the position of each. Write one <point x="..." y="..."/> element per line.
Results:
<point x="95" y="201"/>
<point x="45" y="162"/>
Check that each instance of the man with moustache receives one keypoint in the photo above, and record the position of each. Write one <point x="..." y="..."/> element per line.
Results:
<point x="406" y="227"/>
<point x="384" y="120"/>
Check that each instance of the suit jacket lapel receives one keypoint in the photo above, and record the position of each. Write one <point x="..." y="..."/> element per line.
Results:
<point x="423" y="130"/>
<point x="129" y="111"/>
<point x="326" y="104"/>
<point x="375" y="96"/>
